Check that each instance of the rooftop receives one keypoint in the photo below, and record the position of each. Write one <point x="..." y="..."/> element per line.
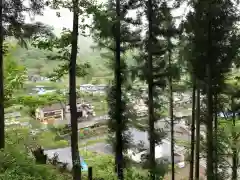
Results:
<point x="52" y="107"/>
<point x="142" y="137"/>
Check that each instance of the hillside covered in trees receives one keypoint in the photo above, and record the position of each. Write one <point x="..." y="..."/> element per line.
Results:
<point x="138" y="93"/>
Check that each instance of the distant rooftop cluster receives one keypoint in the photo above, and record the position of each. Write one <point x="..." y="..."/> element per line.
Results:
<point x="36" y="78"/>
<point x="101" y="88"/>
<point x="40" y="90"/>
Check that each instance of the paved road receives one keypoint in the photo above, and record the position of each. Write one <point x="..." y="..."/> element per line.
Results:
<point x="64" y="155"/>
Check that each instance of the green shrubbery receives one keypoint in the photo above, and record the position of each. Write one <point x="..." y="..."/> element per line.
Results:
<point x="103" y="167"/>
<point x="22" y="137"/>
<point x="16" y="162"/>
<point x="62" y="132"/>
<point x="49" y="140"/>
<point x="17" y="165"/>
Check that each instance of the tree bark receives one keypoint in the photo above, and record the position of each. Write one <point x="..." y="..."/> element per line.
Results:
<point x="215" y="135"/>
<point x="119" y="140"/>
<point x="234" y="149"/>
<point x="192" y="130"/>
<point x="171" y="114"/>
<point x="197" y="134"/>
<point x="72" y="95"/>
<point x="150" y="94"/>
<point x="209" y="124"/>
<point x="2" y="124"/>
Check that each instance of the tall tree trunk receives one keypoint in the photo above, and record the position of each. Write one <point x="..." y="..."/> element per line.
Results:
<point x="150" y="94"/>
<point x="119" y="141"/>
<point x="215" y="135"/>
<point x="73" y="97"/>
<point x="193" y="130"/>
<point x="197" y="156"/>
<point x="171" y="113"/>
<point x="209" y="124"/>
<point x="2" y="124"/>
<point x="234" y="149"/>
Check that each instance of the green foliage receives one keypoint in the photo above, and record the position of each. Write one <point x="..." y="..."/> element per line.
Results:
<point x="156" y="66"/>
<point x="19" y="137"/>
<point x="39" y="100"/>
<point x="16" y="164"/>
<point x="41" y="62"/>
<point x="14" y="16"/>
<point x="224" y="35"/>
<point x="62" y="48"/>
<point x="212" y="51"/>
<point x="103" y="167"/>
<point x="34" y="59"/>
<point x="104" y="29"/>
<point x="31" y="102"/>
<point x="50" y="140"/>
<point x="24" y="139"/>
<point x="14" y="77"/>
<point x="215" y="43"/>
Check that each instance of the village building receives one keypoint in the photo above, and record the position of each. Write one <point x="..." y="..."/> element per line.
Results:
<point x="50" y="113"/>
<point x="85" y="108"/>
<point x="59" y="112"/>
<point x="162" y="151"/>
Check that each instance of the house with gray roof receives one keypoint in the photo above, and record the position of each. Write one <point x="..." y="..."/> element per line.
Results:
<point x="162" y="150"/>
<point x="50" y="112"/>
<point x="59" y="113"/>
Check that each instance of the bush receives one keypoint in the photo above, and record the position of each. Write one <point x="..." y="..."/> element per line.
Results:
<point x="21" y="137"/>
<point x="61" y="143"/>
<point x="16" y="164"/>
<point x="103" y="168"/>
<point x="49" y="140"/>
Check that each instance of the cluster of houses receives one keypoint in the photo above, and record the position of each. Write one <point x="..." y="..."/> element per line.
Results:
<point x="162" y="150"/>
<point x="101" y="88"/>
<point x="37" y="78"/>
<point x="40" y="90"/>
<point x="89" y="88"/>
<point x="59" y="112"/>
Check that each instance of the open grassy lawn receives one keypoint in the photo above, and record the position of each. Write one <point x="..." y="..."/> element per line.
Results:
<point x="103" y="167"/>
